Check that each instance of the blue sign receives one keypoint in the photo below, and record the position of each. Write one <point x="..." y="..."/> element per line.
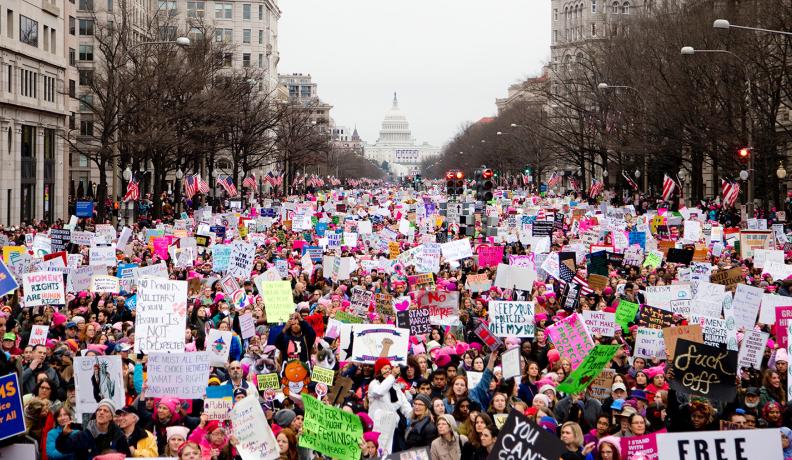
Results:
<point x="7" y="281"/>
<point x="11" y="411"/>
<point x="84" y="209"/>
<point x="218" y="230"/>
<point x="321" y="228"/>
<point x="314" y="252"/>
<point x="542" y="187"/>
<point x="638" y="238"/>
<point x="125" y="270"/>
<point x="131" y="302"/>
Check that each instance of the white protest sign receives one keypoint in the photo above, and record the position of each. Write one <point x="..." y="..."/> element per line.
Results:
<point x="177" y="375"/>
<point x="161" y="316"/>
<point x="124" y="238"/>
<point x="661" y="296"/>
<point x="105" y="284"/>
<point x="752" y="349"/>
<point x="80" y="277"/>
<point x="255" y="440"/>
<point x="510" y="277"/>
<point x="746" y="305"/>
<point x="42" y="245"/>
<point x="510" y="363"/>
<point x="457" y="249"/>
<point x="756" y="444"/>
<point x="218" y="344"/>
<point x="649" y="343"/>
<point x="600" y="322"/>
<point x="159" y="270"/>
<point x="38" y="334"/>
<point x="511" y="319"/>
<point x="372" y="341"/>
<point x="97" y="378"/>
<point x="763" y="256"/>
<point x="240" y="263"/>
<point x="43" y="288"/>
<point x="769" y="303"/>
<point x="102" y="255"/>
<point x="247" y="325"/>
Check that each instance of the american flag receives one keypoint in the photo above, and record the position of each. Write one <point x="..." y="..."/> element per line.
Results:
<point x="596" y="187"/>
<point x="525" y="179"/>
<point x="668" y="187"/>
<point x="584" y="286"/>
<point x="228" y="184"/>
<point x="133" y="190"/>
<point x="629" y="180"/>
<point x="555" y="178"/>
<point x="269" y="178"/>
<point x="730" y="190"/>
<point x="575" y="184"/>
<point x="250" y="182"/>
<point x="190" y="185"/>
<point x="203" y="187"/>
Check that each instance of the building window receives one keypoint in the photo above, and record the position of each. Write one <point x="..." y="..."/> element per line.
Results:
<point x="86" y="52"/>
<point x="72" y="25"/>
<point x="49" y="89"/>
<point x="555" y="14"/>
<point x="228" y="59"/>
<point x="72" y="57"/>
<point x="82" y="161"/>
<point x="86" y="102"/>
<point x="28" y="31"/>
<point x="196" y="34"/>
<point x="261" y="12"/>
<point x="195" y="9"/>
<point x="72" y="88"/>
<point x="626" y="8"/>
<point x="261" y="60"/>
<point x="168" y="6"/>
<point x="167" y="33"/>
<point x="86" y="27"/>
<point x="72" y="121"/>
<point x="86" y="127"/>
<point x="615" y="8"/>
<point x="246" y="36"/>
<point x="224" y="35"/>
<point x="86" y="77"/>
<point x="246" y="11"/>
<point x="593" y="6"/>
<point x="28" y="149"/>
<point x="28" y="83"/>
<point x="261" y="37"/>
<point x="85" y="5"/>
<point x="49" y="144"/>
<point x="555" y="36"/>
<point x="109" y="6"/>
<point x="245" y="59"/>
<point x="224" y="11"/>
<point x="305" y="91"/>
<point x="593" y="29"/>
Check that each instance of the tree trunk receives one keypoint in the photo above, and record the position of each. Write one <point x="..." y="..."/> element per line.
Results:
<point x="101" y="190"/>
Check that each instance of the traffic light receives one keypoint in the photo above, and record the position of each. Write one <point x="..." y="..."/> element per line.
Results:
<point x="455" y="182"/>
<point x="484" y="184"/>
<point x="450" y="182"/>
<point x="744" y="155"/>
<point x="527" y="171"/>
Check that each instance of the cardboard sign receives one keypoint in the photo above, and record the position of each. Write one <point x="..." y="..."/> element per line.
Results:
<point x="729" y="278"/>
<point x="520" y="436"/>
<point x="600" y="388"/>
<point x="571" y="339"/>
<point x="161" y="316"/>
<point x="625" y="313"/>
<point x="179" y="375"/>
<point x="45" y="288"/>
<point x="11" y="409"/>
<point x="330" y="431"/>
<point x="692" y="333"/>
<point x="704" y="370"/>
<point x="38" y="334"/>
<point x="278" y="300"/>
<point x="514" y="319"/>
<point x="755" y="444"/>
<point x="583" y="375"/>
<point x="372" y="341"/>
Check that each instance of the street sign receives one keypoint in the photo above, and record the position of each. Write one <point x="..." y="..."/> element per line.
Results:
<point x="453" y="211"/>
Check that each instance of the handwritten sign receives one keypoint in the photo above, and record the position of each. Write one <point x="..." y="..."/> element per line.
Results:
<point x="178" y="375"/>
<point x="105" y="284"/>
<point x="219" y="402"/>
<point x="589" y="369"/>
<point x="266" y="382"/>
<point x="704" y="370"/>
<point x="255" y="440"/>
<point x="161" y="316"/>
<point x="330" y="431"/>
<point x="691" y="333"/>
<point x="416" y="320"/>
<point x="443" y="306"/>
<point x="38" y="334"/>
<point x="278" y="300"/>
<point x="600" y="322"/>
<point x="571" y="339"/>
<point x="511" y="318"/>
<point x="44" y="288"/>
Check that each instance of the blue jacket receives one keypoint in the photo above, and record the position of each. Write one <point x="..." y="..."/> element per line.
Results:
<point x="52" y="452"/>
<point x="482" y="395"/>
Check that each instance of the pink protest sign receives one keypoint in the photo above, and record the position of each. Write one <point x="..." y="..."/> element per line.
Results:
<point x="489" y="256"/>
<point x="571" y="339"/>
<point x="783" y="317"/>
<point x="645" y="445"/>
<point x="161" y="247"/>
<point x="298" y="244"/>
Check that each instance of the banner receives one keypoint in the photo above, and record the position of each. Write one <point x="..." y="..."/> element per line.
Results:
<point x="704" y="370"/>
<point x="45" y="288"/>
<point x="511" y="318"/>
<point x="330" y="431"/>
<point x="372" y="341"/>
<point x="571" y="339"/>
<point x="11" y="410"/>
<point x="179" y="375"/>
<point x="219" y="401"/>
<point x="278" y="300"/>
<point x="255" y="440"/>
<point x="761" y="444"/>
<point x="97" y="378"/>
<point x="161" y="316"/>
<point x="443" y="306"/>
<point x="521" y="438"/>
<point x="591" y="367"/>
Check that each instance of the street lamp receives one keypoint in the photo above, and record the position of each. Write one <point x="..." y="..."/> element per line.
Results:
<point x="127" y="175"/>
<point x="179" y="174"/>
<point x="725" y="24"/>
<point x="781" y="172"/>
<point x="637" y="173"/>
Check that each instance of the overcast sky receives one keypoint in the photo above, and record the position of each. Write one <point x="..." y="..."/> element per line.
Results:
<point x="447" y="59"/>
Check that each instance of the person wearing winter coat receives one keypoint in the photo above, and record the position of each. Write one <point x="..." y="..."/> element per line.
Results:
<point x="169" y="412"/>
<point x="421" y="430"/>
<point x="449" y="443"/>
<point x="62" y="418"/>
<point x="99" y="435"/>
<point x="215" y="443"/>
<point x="141" y="442"/>
<point x="386" y="399"/>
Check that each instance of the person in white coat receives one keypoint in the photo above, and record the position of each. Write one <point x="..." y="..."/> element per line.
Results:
<point x="385" y="400"/>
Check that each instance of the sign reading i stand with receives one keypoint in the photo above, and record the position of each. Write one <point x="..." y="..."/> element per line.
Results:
<point x="84" y="209"/>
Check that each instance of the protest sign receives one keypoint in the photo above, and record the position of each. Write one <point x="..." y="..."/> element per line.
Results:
<point x="424" y="281"/>
<point x="584" y="374"/>
<point x="571" y="339"/>
<point x="218" y="344"/>
<point x="241" y="260"/>
<point x="654" y="317"/>
<point x="783" y="319"/>
<point x="714" y="329"/>
<point x="645" y="445"/>
<point x="161" y="315"/>
<point x="255" y="440"/>
<point x="219" y="401"/>
<point x="44" y="288"/>
<point x="691" y="333"/>
<point x="278" y="300"/>
<point x="97" y="378"/>
<point x="704" y="370"/>
<point x="416" y="320"/>
<point x="661" y="296"/>
<point x="443" y="306"/>
<point x="268" y="382"/>
<point x="600" y="388"/>
<point x="178" y="375"/>
<point x="38" y="334"/>
<point x="511" y="318"/>
<point x="7" y="282"/>
<point x="625" y="313"/>
<point x="478" y="283"/>
<point x="752" y="349"/>
<point x="221" y="256"/>
<point x="729" y="278"/>
<point x="521" y="438"/>
<point x="746" y="305"/>
<point x="600" y="322"/>
<point x="59" y="238"/>
<point x="102" y="255"/>
<point x="82" y="238"/>
<point x="330" y="431"/>
<point x="372" y="341"/>
<point x="490" y="340"/>
<point x="756" y="444"/>
<point x="321" y="375"/>
<point x="509" y="277"/>
<point x="649" y="343"/>
<point x="489" y="256"/>
<point x="754" y="239"/>
<point x="12" y="413"/>
<point x="247" y="325"/>
<point x="384" y="304"/>
<point x="105" y="284"/>
<point x="510" y="363"/>
<point x="456" y="250"/>
<point x="421" y="453"/>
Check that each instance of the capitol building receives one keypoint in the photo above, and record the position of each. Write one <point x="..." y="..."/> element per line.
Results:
<point x="396" y="145"/>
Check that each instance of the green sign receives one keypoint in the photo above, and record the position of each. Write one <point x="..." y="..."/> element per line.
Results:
<point x="278" y="301"/>
<point x="653" y="260"/>
<point x="348" y="318"/>
<point x="625" y="313"/>
<point x="330" y="431"/>
<point x="589" y="369"/>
